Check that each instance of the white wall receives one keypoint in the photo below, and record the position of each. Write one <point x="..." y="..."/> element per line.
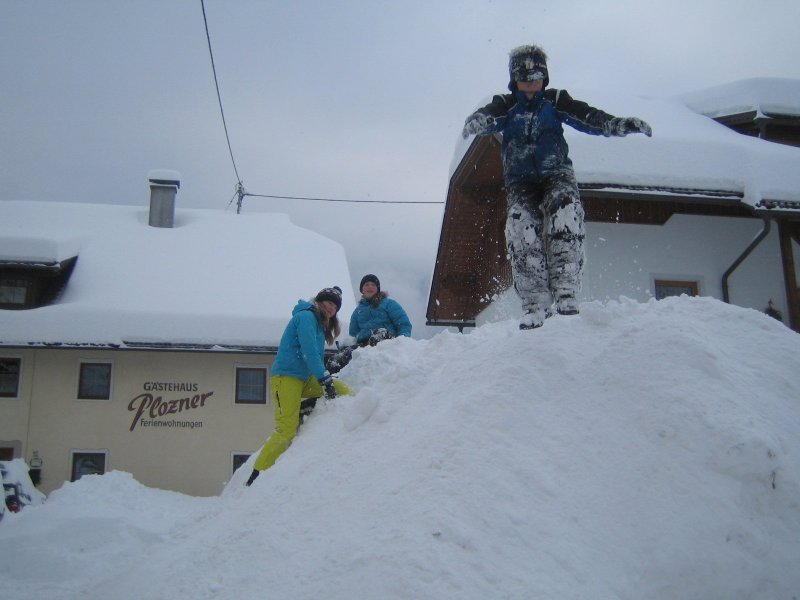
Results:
<point x="624" y="260"/>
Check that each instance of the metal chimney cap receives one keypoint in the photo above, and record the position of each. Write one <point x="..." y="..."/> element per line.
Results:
<point x="164" y="177"/>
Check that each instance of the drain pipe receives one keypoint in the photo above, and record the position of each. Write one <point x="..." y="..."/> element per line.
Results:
<point x="758" y="239"/>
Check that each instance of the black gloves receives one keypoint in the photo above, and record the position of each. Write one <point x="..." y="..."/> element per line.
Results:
<point x="326" y="381"/>
<point x="476" y="123"/>
<point x="622" y="126"/>
<point x="340" y="360"/>
<point x="378" y="335"/>
<point x="375" y="336"/>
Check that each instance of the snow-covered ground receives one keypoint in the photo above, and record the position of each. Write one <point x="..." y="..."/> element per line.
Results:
<point x="636" y="451"/>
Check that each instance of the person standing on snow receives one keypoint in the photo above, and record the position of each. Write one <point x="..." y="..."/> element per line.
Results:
<point x="545" y="227"/>
<point x="299" y="372"/>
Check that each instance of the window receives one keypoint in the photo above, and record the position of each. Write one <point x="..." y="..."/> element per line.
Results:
<point x="239" y="458"/>
<point x="94" y="382"/>
<point x="88" y="462"/>
<point x="251" y="385"/>
<point x="9" y="377"/>
<point x="666" y="288"/>
<point x="13" y="292"/>
<point x="25" y="286"/>
<point x="10" y="449"/>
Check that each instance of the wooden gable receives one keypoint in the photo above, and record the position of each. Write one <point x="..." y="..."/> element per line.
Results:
<point x="25" y="285"/>
<point x="781" y="129"/>
<point x="472" y="266"/>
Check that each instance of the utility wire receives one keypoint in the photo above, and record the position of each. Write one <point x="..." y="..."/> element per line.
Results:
<point x="345" y="200"/>
<point x="240" y="191"/>
<point x="219" y="97"/>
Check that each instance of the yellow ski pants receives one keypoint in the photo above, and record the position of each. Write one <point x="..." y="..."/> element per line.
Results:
<point x="286" y="394"/>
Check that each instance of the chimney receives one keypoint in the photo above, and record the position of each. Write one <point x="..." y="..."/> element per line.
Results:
<point x="164" y="186"/>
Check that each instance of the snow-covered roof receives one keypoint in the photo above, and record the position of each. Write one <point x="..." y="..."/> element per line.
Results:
<point x="37" y="249"/>
<point x="764" y="95"/>
<point x="688" y="151"/>
<point x="216" y="279"/>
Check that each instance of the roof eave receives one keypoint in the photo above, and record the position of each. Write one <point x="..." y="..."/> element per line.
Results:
<point x="144" y="345"/>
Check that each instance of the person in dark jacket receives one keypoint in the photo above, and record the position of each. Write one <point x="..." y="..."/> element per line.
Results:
<point x="545" y="227"/>
<point x="299" y="371"/>
<point x="377" y="317"/>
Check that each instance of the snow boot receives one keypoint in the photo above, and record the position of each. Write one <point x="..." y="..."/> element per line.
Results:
<point x="533" y="318"/>
<point x="253" y="476"/>
<point x="567" y="306"/>
<point x="306" y="408"/>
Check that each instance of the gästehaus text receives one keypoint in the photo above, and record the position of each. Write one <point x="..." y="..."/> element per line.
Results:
<point x="147" y="406"/>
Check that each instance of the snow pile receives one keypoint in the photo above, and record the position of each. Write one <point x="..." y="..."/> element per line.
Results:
<point x="18" y="489"/>
<point x="634" y="451"/>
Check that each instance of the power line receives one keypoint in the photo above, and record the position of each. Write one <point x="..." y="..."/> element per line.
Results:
<point x="240" y="191"/>
<point x="344" y="199"/>
<point x="219" y="97"/>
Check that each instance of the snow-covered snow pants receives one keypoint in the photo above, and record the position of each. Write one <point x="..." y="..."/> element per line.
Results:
<point x="286" y="394"/>
<point x="545" y="232"/>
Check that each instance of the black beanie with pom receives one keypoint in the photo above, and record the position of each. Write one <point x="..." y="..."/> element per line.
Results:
<point x="332" y="294"/>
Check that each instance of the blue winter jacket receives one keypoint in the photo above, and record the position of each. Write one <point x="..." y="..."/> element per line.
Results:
<point x="534" y="147"/>
<point x="388" y="315"/>
<point x="302" y="346"/>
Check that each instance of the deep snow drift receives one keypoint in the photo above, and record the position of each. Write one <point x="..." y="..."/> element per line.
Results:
<point x="634" y="451"/>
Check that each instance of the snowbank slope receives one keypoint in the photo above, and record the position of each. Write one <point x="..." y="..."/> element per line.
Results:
<point x="633" y="451"/>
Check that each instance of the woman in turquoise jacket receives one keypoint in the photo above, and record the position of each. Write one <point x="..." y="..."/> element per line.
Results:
<point x="377" y="317"/>
<point x="299" y="371"/>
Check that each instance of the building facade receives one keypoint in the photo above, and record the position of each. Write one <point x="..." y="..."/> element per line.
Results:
<point x="176" y="420"/>
<point x="143" y="340"/>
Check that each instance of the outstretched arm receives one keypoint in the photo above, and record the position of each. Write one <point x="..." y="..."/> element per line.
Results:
<point x="489" y="119"/>
<point x="589" y="119"/>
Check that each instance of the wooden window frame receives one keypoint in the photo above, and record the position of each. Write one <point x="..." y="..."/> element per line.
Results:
<point x="238" y="459"/>
<point x="18" y="359"/>
<point x="83" y="454"/>
<point x="94" y="363"/>
<point x="693" y="286"/>
<point x="237" y="399"/>
<point x="23" y="283"/>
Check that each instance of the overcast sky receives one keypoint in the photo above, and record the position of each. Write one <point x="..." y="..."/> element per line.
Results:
<point x="359" y="100"/>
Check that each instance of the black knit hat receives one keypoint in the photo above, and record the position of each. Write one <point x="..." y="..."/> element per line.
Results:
<point x="527" y="63"/>
<point x="369" y="277"/>
<point x="332" y="294"/>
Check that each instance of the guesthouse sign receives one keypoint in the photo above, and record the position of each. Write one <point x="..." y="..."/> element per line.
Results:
<point x="179" y="410"/>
